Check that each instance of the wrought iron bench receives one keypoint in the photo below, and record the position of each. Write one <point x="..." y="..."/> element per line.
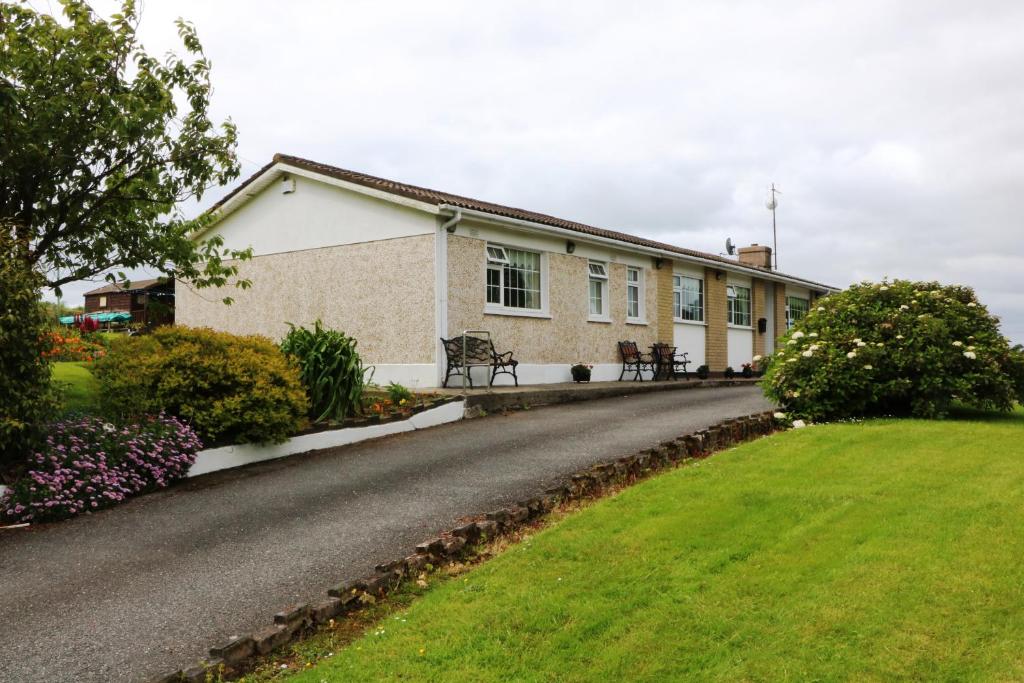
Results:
<point x="633" y="360"/>
<point x="666" y="362"/>
<point x="478" y="353"/>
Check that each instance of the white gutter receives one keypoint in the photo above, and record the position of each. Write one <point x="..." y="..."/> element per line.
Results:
<point x="622" y="244"/>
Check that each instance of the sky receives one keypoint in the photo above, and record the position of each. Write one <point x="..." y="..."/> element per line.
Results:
<point x="894" y="130"/>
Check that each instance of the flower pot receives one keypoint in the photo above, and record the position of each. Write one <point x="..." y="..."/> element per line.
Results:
<point x="580" y="373"/>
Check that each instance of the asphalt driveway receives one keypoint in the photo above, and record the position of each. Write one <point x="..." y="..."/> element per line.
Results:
<point x="140" y="590"/>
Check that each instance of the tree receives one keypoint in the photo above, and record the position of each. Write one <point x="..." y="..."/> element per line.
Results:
<point x="102" y="141"/>
<point x="27" y="401"/>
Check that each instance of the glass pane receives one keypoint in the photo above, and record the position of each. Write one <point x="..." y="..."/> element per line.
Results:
<point x="632" y="301"/>
<point x="493" y="286"/>
<point x="596" y="297"/>
<point x="522" y="279"/>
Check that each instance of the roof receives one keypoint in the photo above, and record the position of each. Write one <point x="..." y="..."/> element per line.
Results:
<point x="135" y="286"/>
<point x="439" y="198"/>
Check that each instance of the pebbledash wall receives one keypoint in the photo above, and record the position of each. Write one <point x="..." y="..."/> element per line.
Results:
<point x="376" y="281"/>
<point x="388" y="274"/>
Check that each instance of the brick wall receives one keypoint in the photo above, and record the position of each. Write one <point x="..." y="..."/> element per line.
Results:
<point x="717" y="349"/>
<point x="780" y="310"/>
<point x="758" y="311"/>
<point x="664" y="324"/>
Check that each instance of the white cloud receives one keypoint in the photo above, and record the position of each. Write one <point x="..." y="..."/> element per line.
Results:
<point x="893" y="129"/>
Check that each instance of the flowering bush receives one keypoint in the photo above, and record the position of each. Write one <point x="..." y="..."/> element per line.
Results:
<point x="71" y="345"/>
<point x="900" y="347"/>
<point x="229" y="388"/>
<point x="88" y="464"/>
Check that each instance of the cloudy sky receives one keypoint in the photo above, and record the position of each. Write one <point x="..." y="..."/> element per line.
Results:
<point x="894" y="130"/>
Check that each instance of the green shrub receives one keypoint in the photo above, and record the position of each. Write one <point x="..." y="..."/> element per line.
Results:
<point x="894" y="348"/>
<point x="27" y="402"/>
<point x="398" y="393"/>
<point x="231" y="389"/>
<point x="331" y="370"/>
<point x="1015" y="371"/>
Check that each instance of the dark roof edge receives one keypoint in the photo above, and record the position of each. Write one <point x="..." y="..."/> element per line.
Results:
<point x="439" y="198"/>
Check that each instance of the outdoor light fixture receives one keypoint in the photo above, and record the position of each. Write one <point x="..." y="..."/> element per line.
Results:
<point x="570" y="246"/>
<point x="718" y="275"/>
<point x="658" y="262"/>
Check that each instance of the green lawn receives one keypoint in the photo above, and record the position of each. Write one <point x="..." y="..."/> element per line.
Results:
<point x="79" y="388"/>
<point x="876" y="551"/>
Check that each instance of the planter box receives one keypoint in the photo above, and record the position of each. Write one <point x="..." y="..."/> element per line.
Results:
<point x="213" y="459"/>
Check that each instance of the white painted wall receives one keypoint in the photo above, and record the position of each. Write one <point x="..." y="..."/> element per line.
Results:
<point x="317" y="215"/>
<point x="740" y="347"/>
<point x="689" y="338"/>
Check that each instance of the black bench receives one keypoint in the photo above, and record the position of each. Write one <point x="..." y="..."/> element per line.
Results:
<point x="633" y="360"/>
<point x="479" y="353"/>
<point x="667" y="361"/>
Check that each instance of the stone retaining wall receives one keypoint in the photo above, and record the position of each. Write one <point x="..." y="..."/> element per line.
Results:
<point x="292" y="623"/>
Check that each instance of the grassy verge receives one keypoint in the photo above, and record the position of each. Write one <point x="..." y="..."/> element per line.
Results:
<point x="889" y="549"/>
<point x="79" y="389"/>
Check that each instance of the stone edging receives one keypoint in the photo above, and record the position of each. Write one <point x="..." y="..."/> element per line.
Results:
<point x="294" y="622"/>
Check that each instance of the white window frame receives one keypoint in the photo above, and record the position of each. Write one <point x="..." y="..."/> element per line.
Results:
<point x="496" y="259"/>
<point x="730" y="305"/>
<point x="678" y="279"/>
<point x="789" y="318"/>
<point x="640" y="318"/>
<point x="597" y="273"/>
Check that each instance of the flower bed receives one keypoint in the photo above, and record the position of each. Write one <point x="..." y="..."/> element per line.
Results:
<point x="89" y="464"/>
<point x="72" y="346"/>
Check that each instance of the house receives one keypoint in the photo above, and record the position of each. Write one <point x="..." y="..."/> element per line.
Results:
<point x="399" y="266"/>
<point x="135" y="299"/>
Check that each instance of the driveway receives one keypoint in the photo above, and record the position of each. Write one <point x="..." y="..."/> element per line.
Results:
<point x="129" y="593"/>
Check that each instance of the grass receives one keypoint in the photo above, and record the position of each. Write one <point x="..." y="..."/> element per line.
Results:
<point x="79" y="389"/>
<point x="875" y="551"/>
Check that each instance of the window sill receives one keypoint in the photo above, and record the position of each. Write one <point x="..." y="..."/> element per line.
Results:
<point x="599" y="319"/>
<point x="739" y="327"/>
<point x="636" y="322"/>
<point x="517" y="312"/>
<point x="681" y="321"/>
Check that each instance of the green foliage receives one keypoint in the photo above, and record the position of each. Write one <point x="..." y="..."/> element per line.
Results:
<point x="1015" y="371"/>
<point x="703" y="371"/>
<point x="331" y="370"/>
<point x="900" y="348"/>
<point x="101" y="141"/>
<point x="729" y="372"/>
<point x="231" y="389"/>
<point x="27" y="402"/>
<point x="398" y="393"/>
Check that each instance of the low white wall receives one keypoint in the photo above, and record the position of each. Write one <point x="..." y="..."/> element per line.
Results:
<point x="213" y="459"/>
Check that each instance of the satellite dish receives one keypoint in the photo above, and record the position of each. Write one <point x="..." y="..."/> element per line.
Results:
<point x="771" y="203"/>
<point x="730" y="248"/>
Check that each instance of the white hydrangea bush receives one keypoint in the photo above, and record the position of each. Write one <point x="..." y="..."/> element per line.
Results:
<point x="893" y="348"/>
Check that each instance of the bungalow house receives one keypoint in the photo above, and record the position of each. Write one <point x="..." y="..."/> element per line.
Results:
<point x="135" y="299"/>
<point x="399" y="266"/>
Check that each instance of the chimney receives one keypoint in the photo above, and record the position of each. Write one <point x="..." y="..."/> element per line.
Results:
<point x="756" y="255"/>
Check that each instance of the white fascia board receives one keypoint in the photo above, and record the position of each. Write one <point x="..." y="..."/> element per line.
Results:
<point x="273" y="173"/>
<point x="505" y="221"/>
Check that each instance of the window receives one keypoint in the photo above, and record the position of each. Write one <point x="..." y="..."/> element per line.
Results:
<point x="796" y="309"/>
<point x="598" y="290"/>
<point x="634" y="293"/>
<point x="103" y="302"/>
<point x="738" y="302"/>
<point x="687" y="298"/>
<point x="513" y="278"/>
